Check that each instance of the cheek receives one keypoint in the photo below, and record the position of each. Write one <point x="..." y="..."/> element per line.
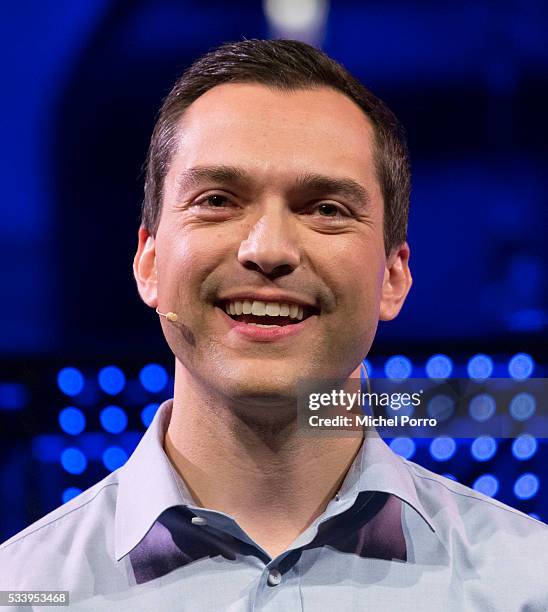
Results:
<point x="184" y="262"/>
<point x="355" y="275"/>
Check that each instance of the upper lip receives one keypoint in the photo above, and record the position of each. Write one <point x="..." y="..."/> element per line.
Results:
<point x="267" y="296"/>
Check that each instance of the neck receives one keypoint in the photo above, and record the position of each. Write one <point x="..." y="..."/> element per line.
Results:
<point x="263" y="476"/>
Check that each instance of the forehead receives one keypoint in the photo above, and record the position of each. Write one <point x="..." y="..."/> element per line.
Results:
<point x="276" y="133"/>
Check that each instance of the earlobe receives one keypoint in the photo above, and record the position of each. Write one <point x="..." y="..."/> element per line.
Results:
<point x="144" y="268"/>
<point x="396" y="284"/>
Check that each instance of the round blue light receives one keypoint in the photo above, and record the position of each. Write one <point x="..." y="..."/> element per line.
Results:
<point x="483" y="448"/>
<point x="398" y="367"/>
<point x="113" y="419"/>
<point x="450" y="476"/>
<point x="487" y="484"/>
<point x="368" y="367"/>
<point x="523" y="406"/>
<point x="73" y="460"/>
<point x="148" y="412"/>
<point x="397" y="407"/>
<point x="441" y="407"/>
<point x="521" y="366"/>
<point x="69" y="493"/>
<point x="405" y="447"/>
<point x="524" y="447"/>
<point x="70" y="381"/>
<point x="400" y="410"/>
<point x="114" y="457"/>
<point x="442" y="448"/>
<point x="482" y="407"/>
<point x="72" y="420"/>
<point x="111" y="380"/>
<point x="526" y="486"/>
<point x="480" y="367"/>
<point x="439" y="366"/>
<point x="153" y="377"/>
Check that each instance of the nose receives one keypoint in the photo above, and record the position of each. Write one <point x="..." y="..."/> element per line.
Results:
<point x="271" y="245"/>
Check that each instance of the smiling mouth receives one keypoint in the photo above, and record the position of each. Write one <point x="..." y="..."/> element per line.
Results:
<point x="276" y="318"/>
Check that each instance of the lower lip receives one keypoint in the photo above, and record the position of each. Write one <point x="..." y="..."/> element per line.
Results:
<point x="266" y="334"/>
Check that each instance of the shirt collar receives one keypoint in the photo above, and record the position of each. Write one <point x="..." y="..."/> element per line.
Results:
<point x="148" y="483"/>
<point x="377" y="468"/>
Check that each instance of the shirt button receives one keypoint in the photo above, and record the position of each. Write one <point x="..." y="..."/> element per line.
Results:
<point x="337" y="497"/>
<point x="274" y="577"/>
<point x="198" y="520"/>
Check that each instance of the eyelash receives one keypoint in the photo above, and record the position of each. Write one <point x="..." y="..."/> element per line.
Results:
<point x="342" y="212"/>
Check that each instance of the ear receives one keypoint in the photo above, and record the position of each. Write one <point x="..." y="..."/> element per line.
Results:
<point x="396" y="283"/>
<point x="144" y="268"/>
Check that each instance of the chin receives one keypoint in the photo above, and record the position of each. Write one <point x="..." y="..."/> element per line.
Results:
<point x="262" y="388"/>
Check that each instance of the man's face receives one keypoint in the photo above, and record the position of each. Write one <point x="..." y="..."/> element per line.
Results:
<point x="271" y="195"/>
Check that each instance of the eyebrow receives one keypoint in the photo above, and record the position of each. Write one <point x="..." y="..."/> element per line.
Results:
<point x="308" y="181"/>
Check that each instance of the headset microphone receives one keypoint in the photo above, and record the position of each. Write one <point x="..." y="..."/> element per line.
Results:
<point x="170" y="316"/>
<point x="363" y="370"/>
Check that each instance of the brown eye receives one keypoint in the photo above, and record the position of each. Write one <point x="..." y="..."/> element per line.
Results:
<point x="215" y="200"/>
<point x="328" y="210"/>
<point x="332" y="211"/>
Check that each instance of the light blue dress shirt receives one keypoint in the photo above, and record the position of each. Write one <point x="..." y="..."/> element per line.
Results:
<point x="395" y="537"/>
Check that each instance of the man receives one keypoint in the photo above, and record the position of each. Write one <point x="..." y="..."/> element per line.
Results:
<point x="273" y="240"/>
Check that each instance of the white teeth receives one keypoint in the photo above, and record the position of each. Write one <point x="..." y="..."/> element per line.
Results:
<point x="262" y="325"/>
<point x="261" y="309"/>
<point x="258" y="308"/>
<point x="272" y="309"/>
<point x="246" y="307"/>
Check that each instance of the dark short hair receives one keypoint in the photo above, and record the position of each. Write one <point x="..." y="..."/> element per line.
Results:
<point x="287" y="65"/>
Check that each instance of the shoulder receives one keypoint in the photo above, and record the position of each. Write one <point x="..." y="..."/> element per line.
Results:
<point x="480" y="523"/>
<point x="82" y="527"/>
